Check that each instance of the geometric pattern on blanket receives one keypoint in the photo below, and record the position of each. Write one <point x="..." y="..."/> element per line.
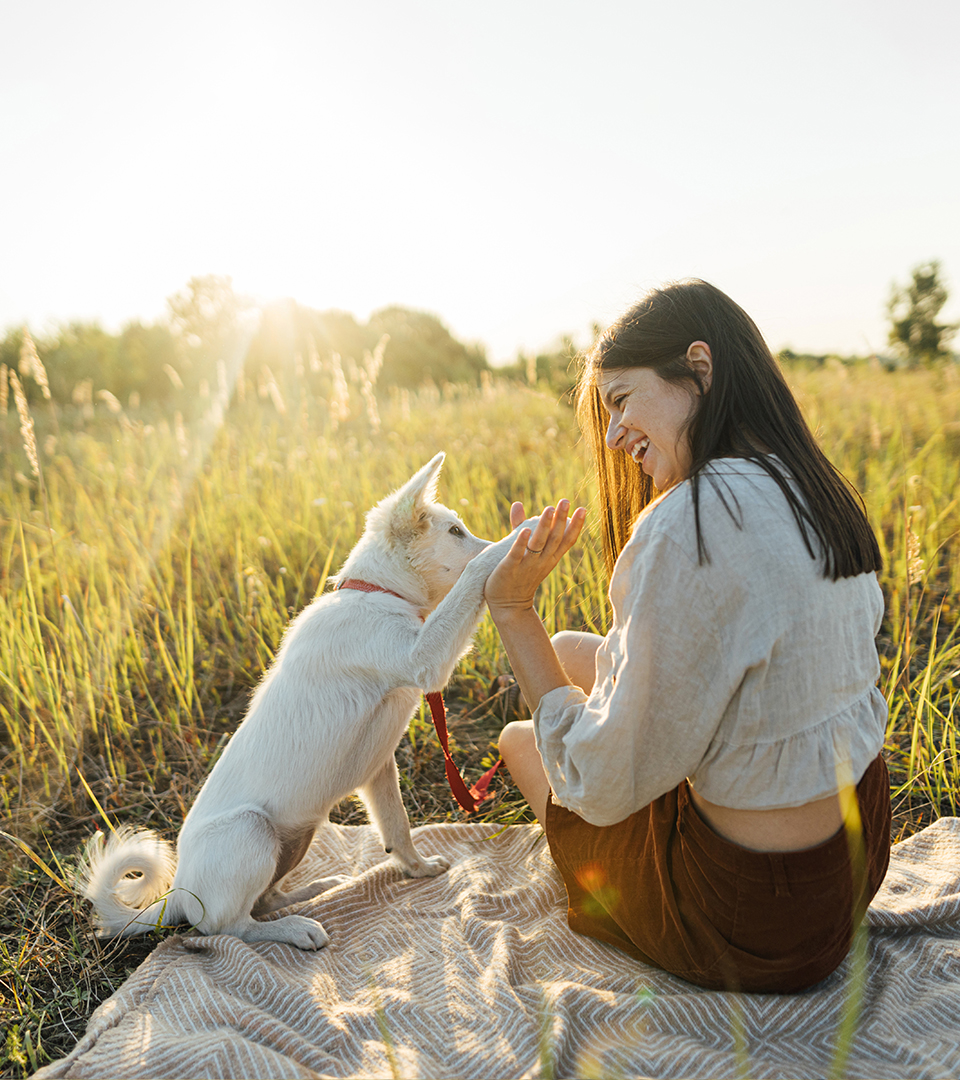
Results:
<point x="475" y="974"/>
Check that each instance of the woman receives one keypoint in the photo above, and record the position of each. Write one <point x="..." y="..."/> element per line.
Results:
<point x="708" y="774"/>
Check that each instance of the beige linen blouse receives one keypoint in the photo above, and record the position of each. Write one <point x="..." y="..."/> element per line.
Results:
<point x="752" y="674"/>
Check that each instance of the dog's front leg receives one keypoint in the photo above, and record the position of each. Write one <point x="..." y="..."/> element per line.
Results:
<point x="381" y="796"/>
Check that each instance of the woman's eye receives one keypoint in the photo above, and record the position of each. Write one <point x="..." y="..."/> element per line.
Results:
<point x="455" y="530"/>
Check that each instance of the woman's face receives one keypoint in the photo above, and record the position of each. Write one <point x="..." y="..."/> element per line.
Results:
<point x="647" y="418"/>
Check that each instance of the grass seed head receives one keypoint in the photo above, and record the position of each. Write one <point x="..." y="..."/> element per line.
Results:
<point x="373" y="362"/>
<point x="31" y="364"/>
<point x="174" y="376"/>
<point x="269" y="388"/>
<point x="26" y="424"/>
<point x="340" y="398"/>
<point x="915" y="565"/>
<point x="181" y="435"/>
<point x="110" y="401"/>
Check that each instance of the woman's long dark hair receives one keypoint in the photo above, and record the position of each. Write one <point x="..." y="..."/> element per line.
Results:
<point x="747" y="412"/>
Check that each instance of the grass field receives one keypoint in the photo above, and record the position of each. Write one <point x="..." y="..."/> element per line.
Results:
<point x="147" y="574"/>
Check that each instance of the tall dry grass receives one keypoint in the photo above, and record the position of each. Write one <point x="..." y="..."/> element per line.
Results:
<point x="147" y="572"/>
<point x="180" y="557"/>
<point x="896" y="435"/>
<point x="148" y="569"/>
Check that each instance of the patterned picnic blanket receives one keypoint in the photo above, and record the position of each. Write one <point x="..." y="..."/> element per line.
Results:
<point x="475" y="974"/>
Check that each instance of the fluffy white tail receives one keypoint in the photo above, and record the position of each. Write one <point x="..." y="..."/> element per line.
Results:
<point x="126" y="905"/>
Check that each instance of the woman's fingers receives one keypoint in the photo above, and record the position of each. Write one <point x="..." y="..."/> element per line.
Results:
<point x="540" y="536"/>
<point x="519" y="548"/>
<point x="533" y="555"/>
<point x="574" y="528"/>
<point x="553" y="535"/>
<point x="549" y="532"/>
<point x="565" y="532"/>
<point x="555" y="532"/>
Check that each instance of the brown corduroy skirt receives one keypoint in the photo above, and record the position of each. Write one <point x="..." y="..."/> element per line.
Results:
<point x="665" y="888"/>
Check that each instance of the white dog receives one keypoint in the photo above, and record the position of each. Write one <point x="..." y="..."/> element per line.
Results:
<point x="325" y="721"/>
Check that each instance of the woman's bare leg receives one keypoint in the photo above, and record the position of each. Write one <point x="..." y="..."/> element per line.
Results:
<point x="578" y="654"/>
<point x="518" y="747"/>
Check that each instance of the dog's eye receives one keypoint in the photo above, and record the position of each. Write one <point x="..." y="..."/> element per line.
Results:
<point x="455" y="530"/>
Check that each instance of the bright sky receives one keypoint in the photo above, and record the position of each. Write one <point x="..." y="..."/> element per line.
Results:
<point x="521" y="168"/>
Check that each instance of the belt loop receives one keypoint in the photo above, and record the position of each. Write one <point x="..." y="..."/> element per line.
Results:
<point x="781" y="886"/>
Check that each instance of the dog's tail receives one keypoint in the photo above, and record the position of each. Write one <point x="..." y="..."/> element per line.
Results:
<point x="127" y="878"/>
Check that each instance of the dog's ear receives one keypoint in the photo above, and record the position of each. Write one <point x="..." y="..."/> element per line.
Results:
<point x="407" y="505"/>
<point x="421" y="488"/>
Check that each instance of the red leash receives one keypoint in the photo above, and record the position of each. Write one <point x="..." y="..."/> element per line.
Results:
<point x="468" y="798"/>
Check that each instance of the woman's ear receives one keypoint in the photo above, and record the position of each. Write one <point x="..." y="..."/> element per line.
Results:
<point x="701" y="360"/>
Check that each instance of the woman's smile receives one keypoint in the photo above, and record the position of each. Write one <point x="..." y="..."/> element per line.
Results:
<point x="648" y="421"/>
<point x="639" y="449"/>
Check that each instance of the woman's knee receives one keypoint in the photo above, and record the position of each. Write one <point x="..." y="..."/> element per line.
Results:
<point x="577" y="652"/>
<point x="516" y="739"/>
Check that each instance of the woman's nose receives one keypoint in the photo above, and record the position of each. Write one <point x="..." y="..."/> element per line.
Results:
<point x="615" y="433"/>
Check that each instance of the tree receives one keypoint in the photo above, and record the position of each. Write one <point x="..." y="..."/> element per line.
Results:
<point x="80" y="351"/>
<point x="556" y="368"/>
<point x="211" y="324"/>
<point x="914" y="331"/>
<point x="421" y="347"/>
<point x="143" y="353"/>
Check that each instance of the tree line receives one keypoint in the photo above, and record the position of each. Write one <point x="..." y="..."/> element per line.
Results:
<point x="212" y="338"/>
<point x="213" y="341"/>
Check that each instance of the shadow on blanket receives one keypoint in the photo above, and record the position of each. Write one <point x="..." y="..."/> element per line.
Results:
<point x="475" y="974"/>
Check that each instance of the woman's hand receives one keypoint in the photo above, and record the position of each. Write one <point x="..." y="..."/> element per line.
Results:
<point x="533" y="555"/>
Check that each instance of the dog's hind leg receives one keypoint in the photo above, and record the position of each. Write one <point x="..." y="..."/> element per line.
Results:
<point x="381" y="796"/>
<point x="228" y="864"/>
<point x="292" y="851"/>
<point x="274" y="899"/>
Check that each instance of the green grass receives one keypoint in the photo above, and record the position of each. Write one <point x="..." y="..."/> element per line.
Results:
<point x="146" y="587"/>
